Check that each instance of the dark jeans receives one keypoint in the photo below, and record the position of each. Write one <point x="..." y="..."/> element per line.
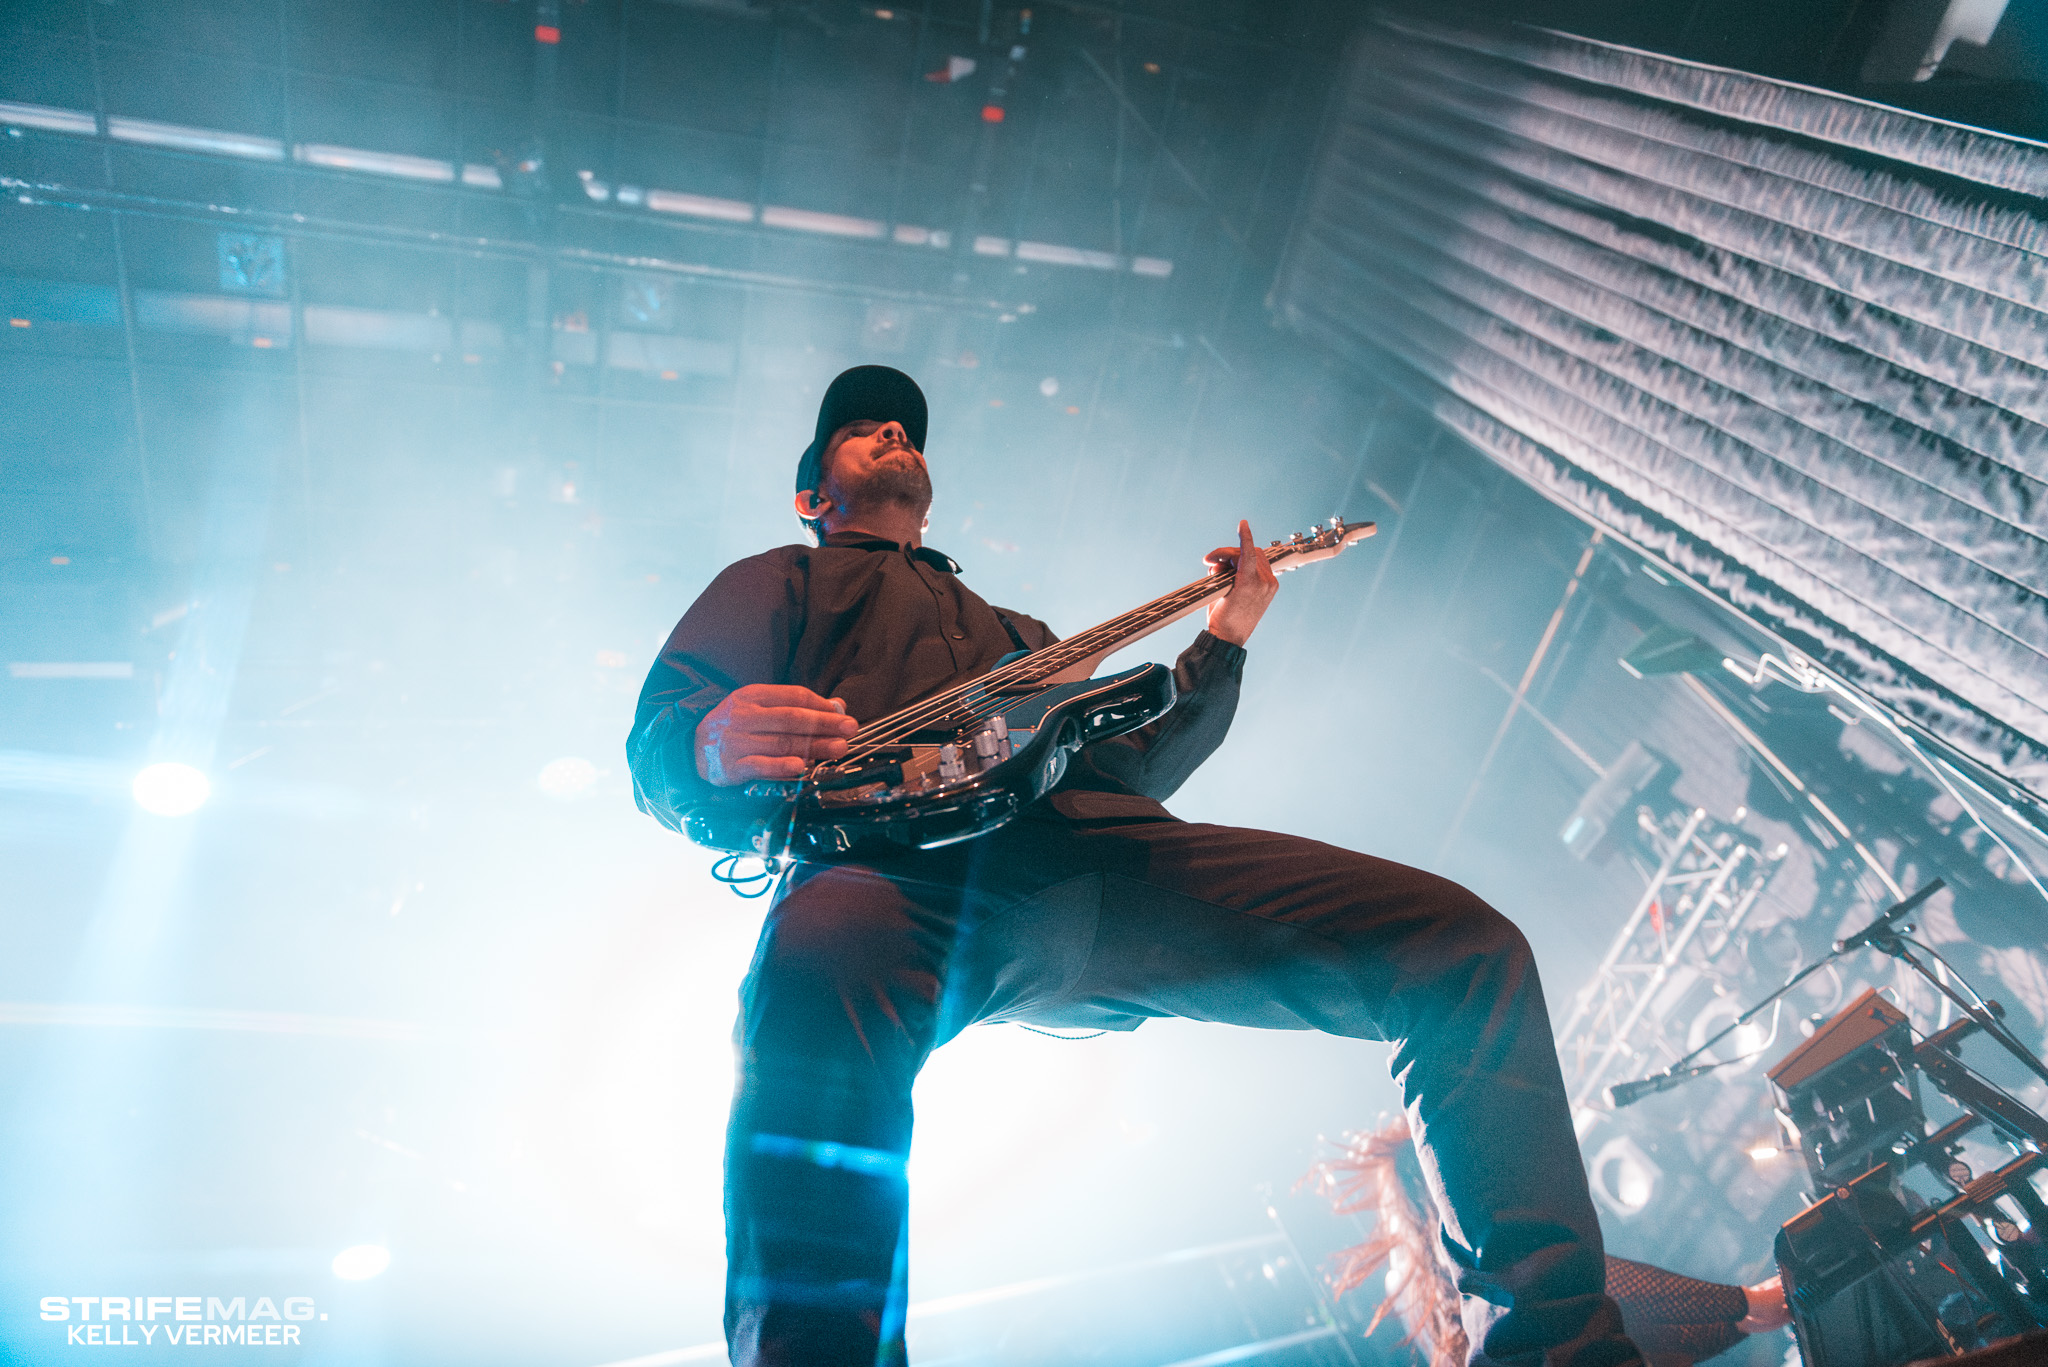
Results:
<point x="863" y="970"/>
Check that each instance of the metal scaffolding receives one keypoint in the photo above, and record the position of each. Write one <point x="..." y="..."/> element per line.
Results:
<point x="1708" y="878"/>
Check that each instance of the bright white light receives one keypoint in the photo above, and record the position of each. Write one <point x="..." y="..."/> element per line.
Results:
<point x="1049" y="386"/>
<point x="195" y="139"/>
<point x="701" y="206"/>
<point x="1763" y="1153"/>
<point x="1624" y="1177"/>
<point x="568" y="777"/>
<point x="47" y="116"/>
<point x="377" y="163"/>
<point x="362" y="1262"/>
<point x="1058" y="255"/>
<point x="171" y="789"/>
<point x="811" y="221"/>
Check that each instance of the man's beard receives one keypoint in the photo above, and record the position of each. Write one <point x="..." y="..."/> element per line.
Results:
<point x="903" y="481"/>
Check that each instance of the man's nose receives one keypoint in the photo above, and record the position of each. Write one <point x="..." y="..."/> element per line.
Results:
<point x="893" y="431"/>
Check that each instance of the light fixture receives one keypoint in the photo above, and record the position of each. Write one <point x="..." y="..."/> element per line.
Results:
<point x="195" y="139"/>
<point x="376" y="163"/>
<point x="566" y="778"/>
<point x="168" y="788"/>
<point x="1624" y="1178"/>
<point x="700" y="206"/>
<point x="811" y="221"/>
<point x="361" y="1262"/>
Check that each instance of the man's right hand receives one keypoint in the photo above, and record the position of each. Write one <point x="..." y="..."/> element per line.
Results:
<point x="770" y="731"/>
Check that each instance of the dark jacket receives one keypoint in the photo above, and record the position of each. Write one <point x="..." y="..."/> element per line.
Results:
<point x="882" y="625"/>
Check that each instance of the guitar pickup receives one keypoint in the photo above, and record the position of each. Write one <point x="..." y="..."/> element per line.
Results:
<point x="883" y="766"/>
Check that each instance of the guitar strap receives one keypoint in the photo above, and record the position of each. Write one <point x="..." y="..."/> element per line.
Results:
<point x="1011" y="627"/>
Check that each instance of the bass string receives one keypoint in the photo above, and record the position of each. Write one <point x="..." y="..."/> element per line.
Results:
<point x="1031" y="669"/>
<point x="1040" y="664"/>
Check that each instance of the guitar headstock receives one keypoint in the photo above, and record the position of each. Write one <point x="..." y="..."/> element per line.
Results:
<point x="1317" y="543"/>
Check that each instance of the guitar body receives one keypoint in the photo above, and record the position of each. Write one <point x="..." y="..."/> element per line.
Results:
<point x="937" y="786"/>
<point x="968" y="758"/>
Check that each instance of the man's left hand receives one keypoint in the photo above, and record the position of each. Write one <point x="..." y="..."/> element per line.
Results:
<point x="1233" y="616"/>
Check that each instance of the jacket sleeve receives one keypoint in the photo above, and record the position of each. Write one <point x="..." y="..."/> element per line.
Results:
<point x="739" y="631"/>
<point x="1155" y="760"/>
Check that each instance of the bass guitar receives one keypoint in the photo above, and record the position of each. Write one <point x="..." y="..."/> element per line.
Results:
<point x="965" y="760"/>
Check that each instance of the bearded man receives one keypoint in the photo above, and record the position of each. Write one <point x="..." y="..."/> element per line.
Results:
<point x="1095" y="907"/>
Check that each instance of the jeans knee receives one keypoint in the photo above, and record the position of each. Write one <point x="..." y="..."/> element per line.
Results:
<point x="847" y="968"/>
<point x="1468" y="926"/>
<point x="839" y="927"/>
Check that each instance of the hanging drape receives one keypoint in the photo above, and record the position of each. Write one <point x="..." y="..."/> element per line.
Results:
<point x="1794" y="343"/>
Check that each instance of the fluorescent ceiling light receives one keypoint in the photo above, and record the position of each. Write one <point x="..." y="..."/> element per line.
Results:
<point x="195" y="139"/>
<point x="700" y="206"/>
<point x="334" y="325"/>
<point x="1067" y="256"/>
<point x="377" y="163"/>
<point x="202" y="1018"/>
<point x="482" y="177"/>
<point x="65" y="669"/>
<point x="810" y="221"/>
<point x="164" y="311"/>
<point x="1151" y="265"/>
<point x="47" y="116"/>
<point x="992" y="246"/>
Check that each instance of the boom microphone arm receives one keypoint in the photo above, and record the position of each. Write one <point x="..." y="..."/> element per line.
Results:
<point x="1880" y="932"/>
<point x="1882" y="927"/>
<point x="1629" y="1093"/>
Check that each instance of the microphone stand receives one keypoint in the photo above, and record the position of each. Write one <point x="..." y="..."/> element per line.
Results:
<point x="1894" y="944"/>
<point x="1627" y="1093"/>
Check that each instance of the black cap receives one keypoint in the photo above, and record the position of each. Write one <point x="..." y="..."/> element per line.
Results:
<point x="877" y="392"/>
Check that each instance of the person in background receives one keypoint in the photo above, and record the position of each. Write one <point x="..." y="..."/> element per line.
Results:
<point x="1675" y="1320"/>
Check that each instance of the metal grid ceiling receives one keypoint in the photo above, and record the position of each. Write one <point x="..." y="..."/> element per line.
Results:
<point x="1790" y="341"/>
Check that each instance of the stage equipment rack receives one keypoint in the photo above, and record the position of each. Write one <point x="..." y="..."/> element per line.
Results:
<point x="1876" y="1273"/>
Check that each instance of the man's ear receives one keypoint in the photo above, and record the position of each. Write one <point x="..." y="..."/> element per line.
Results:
<point x="811" y="507"/>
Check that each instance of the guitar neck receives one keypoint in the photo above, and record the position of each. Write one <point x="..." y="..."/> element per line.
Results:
<point x="1077" y="656"/>
<point x="1072" y="658"/>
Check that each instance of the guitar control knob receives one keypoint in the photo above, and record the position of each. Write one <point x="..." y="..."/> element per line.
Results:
<point x="992" y="743"/>
<point x="949" y="762"/>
